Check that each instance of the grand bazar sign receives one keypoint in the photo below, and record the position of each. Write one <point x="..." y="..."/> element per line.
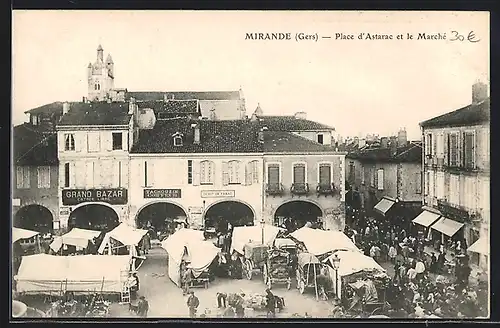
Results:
<point x="110" y="196"/>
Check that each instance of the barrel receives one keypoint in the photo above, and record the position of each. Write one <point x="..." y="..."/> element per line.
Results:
<point x="19" y="309"/>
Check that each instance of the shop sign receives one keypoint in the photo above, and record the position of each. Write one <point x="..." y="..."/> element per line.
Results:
<point x="64" y="211"/>
<point x="217" y="193"/>
<point x="162" y="193"/>
<point x="16" y="202"/>
<point x="195" y="210"/>
<point x="116" y="196"/>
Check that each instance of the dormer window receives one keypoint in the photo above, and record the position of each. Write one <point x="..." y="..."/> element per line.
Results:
<point x="34" y="120"/>
<point x="177" y="139"/>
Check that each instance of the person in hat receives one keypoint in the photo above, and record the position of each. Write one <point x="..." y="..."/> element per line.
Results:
<point x="187" y="278"/>
<point x="270" y="304"/>
<point x="143" y="307"/>
<point x="192" y="303"/>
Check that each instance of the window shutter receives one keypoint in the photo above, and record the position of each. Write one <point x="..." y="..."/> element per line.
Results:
<point x="273" y="174"/>
<point x="434" y="145"/>
<point x="446" y="140"/>
<point x="380" y="179"/>
<point x="242" y="172"/>
<point x="39" y="177"/>
<point x="60" y="141"/>
<point x="115" y="174"/>
<point x="418" y="184"/>
<point x="249" y="173"/>
<point x="196" y="173"/>
<point x="151" y="173"/>
<point x="299" y="173"/>
<point x="375" y="178"/>
<point x="211" y="166"/>
<point x="72" y="175"/>
<point x="325" y="177"/>
<point x="225" y="174"/>
<point x="255" y="172"/>
<point x="108" y="141"/>
<point x="79" y="181"/>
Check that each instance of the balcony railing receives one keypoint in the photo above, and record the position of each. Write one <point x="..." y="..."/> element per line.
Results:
<point x="275" y="189"/>
<point x="326" y="189"/>
<point x="299" y="189"/>
<point x="453" y="211"/>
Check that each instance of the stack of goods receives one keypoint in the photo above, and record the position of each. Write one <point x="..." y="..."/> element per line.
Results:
<point x="256" y="252"/>
<point x="278" y="262"/>
<point x="255" y="301"/>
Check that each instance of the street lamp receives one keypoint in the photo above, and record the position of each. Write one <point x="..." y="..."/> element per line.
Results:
<point x="262" y="222"/>
<point x="336" y="266"/>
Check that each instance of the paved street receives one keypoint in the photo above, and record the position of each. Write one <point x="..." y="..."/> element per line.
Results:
<point x="166" y="299"/>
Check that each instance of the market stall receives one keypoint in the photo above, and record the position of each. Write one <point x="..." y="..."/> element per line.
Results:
<point x="319" y="242"/>
<point x="80" y="238"/>
<point x="120" y="238"/>
<point x="78" y="274"/>
<point x="253" y="234"/>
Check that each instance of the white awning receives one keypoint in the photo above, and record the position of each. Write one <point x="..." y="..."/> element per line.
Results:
<point x="384" y="205"/>
<point x="480" y="246"/>
<point x="426" y="218"/>
<point x="447" y="226"/>
<point x="18" y="233"/>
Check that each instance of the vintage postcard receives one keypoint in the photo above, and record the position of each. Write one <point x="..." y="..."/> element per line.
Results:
<point x="250" y="164"/>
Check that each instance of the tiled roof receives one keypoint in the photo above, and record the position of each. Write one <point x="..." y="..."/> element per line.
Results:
<point x="238" y="136"/>
<point x="29" y="147"/>
<point x="96" y="113"/>
<point x="411" y="153"/>
<point x="468" y="115"/>
<point x="171" y="106"/>
<point x="285" y="142"/>
<point x="184" y="95"/>
<point x="55" y="107"/>
<point x="290" y="123"/>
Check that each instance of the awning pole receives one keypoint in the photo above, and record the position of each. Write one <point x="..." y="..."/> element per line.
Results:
<point x="315" y="283"/>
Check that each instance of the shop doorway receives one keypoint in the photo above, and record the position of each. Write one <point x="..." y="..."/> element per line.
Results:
<point x="94" y="217"/>
<point x="295" y="214"/>
<point x="34" y="217"/>
<point x="161" y="217"/>
<point x="220" y="215"/>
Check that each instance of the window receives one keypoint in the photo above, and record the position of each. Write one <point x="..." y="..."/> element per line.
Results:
<point x="93" y="142"/>
<point x="325" y="174"/>
<point x="23" y="177"/>
<point x="380" y="179"/>
<point x="299" y="173"/>
<point x="177" y="139"/>
<point x="273" y="174"/>
<point x="253" y="172"/>
<point x="439" y="185"/>
<point x="69" y="142"/>
<point x="440" y="145"/>
<point x="233" y="168"/>
<point x="453" y="149"/>
<point x="418" y="183"/>
<point x="320" y="138"/>
<point x="428" y="144"/>
<point x="469" y="150"/>
<point x="34" y="119"/>
<point x="66" y="175"/>
<point x="146" y="174"/>
<point x="206" y="172"/>
<point x="43" y="173"/>
<point x="190" y="171"/>
<point x="454" y="189"/>
<point x="427" y="183"/>
<point x="117" y="141"/>
<point x="372" y="177"/>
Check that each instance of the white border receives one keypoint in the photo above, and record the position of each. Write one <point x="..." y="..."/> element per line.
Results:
<point x="267" y="171"/>
<point x="305" y="171"/>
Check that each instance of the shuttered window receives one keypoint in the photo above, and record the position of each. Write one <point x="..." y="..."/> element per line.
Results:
<point x="440" y="145"/>
<point x="380" y="179"/>
<point x="207" y="172"/>
<point x="453" y="149"/>
<point x="43" y="176"/>
<point x="325" y="174"/>
<point x="273" y="174"/>
<point x="252" y="172"/>
<point x="299" y="173"/>
<point x="469" y="150"/>
<point x="69" y="142"/>
<point x="23" y="177"/>
<point x="440" y="185"/>
<point x="234" y="172"/>
<point x="418" y="183"/>
<point x="428" y="144"/>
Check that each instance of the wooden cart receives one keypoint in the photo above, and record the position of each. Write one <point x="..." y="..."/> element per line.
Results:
<point x="308" y="268"/>
<point x="277" y="268"/>
<point x="255" y="256"/>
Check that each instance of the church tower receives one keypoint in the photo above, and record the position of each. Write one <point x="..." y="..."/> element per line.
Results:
<point x="100" y="77"/>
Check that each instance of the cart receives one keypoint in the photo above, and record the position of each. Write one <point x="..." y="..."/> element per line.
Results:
<point x="254" y="258"/>
<point x="308" y="267"/>
<point x="277" y="268"/>
<point x="202" y="281"/>
<point x="290" y="246"/>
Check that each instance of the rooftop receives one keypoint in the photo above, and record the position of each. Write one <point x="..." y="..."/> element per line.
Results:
<point x="171" y="106"/>
<point x="96" y="113"/>
<point x="31" y="146"/>
<point x="52" y="108"/>
<point x="285" y="142"/>
<point x="411" y="153"/>
<point x="469" y="115"/>
<point x="183" y="95"/>
<point x="291" y="123"/>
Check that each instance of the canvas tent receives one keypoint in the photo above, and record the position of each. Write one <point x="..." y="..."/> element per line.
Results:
<point x="76" y="237"/>
<point x="244" y="235"/>
<point x="319" y="242"/>
<point x="124" y="234"/>
<point x="42" y="273"/>
<point x="18" y="234"/>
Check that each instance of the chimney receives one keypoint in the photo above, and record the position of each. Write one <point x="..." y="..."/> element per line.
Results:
<point x="131" y="106"/>
<point x="84" y="99"/>
<point x="165" y="97"/>
<point x="65" y="107"/>
<point x="384" y="142"/>
<point x="261" y="134"/>
<point x="479" y="92"/>
<point x="301" y="115"/>
<point x="362" y="142"/>
<point x="196" y="128"/>
<point x="402" y="138"/>
<point x="394" y="144"/>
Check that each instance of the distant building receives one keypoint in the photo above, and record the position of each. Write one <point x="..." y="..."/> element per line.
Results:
<point x="457" y="174"/>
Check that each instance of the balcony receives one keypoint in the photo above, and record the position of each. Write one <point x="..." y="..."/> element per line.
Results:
<point x="299" y="189"/>
<point x="275" y="189"/>
<point x="454" y="212"/>
<point x="326" y="189"/>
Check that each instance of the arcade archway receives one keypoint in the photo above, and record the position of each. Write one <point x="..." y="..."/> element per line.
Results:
<point x="34" y="217"/>
<point x="94" y="217"/>
<point x="236" y="213"/>
<point x="161" y="216"/>
<point x="295" y="214"/>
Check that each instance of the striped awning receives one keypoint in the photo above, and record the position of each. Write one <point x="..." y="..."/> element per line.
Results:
<point x="447" y="226"/>
<point x="383" y="206"/>
<point x="426" y="218"/>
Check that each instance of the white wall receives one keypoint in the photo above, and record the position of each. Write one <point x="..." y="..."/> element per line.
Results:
<point x="313" y="135"/>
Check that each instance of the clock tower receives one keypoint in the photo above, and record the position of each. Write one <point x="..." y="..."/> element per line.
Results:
<point x="100" y="77"/>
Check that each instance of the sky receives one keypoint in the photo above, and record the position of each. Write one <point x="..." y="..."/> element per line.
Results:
<point x="357" y="86"/>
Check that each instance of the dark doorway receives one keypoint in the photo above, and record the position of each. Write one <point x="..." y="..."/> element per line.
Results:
<point x="219" y="215"/>
<point x="160" y="216"/>
<point x="294" y="215"/>
<point x="34" y="217"/>
<point x="94" y="217"/>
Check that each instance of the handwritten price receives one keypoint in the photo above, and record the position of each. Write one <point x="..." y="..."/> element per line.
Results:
<point x="471" y="37"/>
